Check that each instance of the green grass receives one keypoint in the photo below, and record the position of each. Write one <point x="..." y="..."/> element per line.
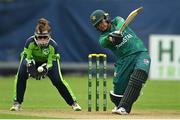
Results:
<point x="41" y="95"/>
<point x="160" y="95"/>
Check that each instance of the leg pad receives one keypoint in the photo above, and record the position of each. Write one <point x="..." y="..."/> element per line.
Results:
<point x="137" y="79"/>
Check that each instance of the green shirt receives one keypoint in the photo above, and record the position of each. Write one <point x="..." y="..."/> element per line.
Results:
<point x="130" y="44"/>
<point x="41" y="54"/>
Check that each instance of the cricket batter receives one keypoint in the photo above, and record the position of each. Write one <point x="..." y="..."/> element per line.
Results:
<point x="40" y="58"/>
<point x="133" y="61"/>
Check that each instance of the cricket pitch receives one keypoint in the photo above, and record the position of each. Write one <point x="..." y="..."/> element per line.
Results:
<point x="139" y="114"/>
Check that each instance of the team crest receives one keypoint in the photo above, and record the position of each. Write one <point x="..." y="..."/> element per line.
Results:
<point x="93" y="18"/>
<point x="46" y="51"/>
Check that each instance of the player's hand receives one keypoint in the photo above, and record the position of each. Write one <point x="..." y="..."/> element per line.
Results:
<point x="115" y="37"/>
<point x="31" y="69"/>
<point x="42" y="72"/>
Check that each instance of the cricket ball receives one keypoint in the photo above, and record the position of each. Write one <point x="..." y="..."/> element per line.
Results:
<point x="40" y="69"/>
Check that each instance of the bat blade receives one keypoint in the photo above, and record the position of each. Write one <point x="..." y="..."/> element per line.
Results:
<point x="130" y="17"/>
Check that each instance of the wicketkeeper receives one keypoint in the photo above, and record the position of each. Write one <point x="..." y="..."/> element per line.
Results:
<point x="41" y="51"/>
<point x="133" y="61"/>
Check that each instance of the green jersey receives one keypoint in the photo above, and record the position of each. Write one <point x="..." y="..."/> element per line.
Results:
<point x="41" y="54"/>
<point x="130" y="43"/>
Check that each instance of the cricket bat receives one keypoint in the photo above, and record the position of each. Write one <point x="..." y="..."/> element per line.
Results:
<point x="130" y="17"/>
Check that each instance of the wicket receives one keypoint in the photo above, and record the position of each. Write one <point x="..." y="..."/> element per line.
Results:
<point x="90" y="76"/>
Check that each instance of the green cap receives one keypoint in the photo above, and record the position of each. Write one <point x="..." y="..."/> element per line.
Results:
<point x="97" y="16"/>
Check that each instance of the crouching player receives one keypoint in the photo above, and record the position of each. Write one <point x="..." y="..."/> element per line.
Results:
<point x="41" y="50"/>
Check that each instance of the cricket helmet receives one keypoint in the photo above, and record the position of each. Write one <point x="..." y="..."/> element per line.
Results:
<point x="97" y="16"/>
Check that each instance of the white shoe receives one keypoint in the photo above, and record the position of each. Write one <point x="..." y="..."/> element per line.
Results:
<point x="114" y="110"/>
<point x="76" y="107"/>
<point x="121" y="111"/>
<point x="16" y="107"/>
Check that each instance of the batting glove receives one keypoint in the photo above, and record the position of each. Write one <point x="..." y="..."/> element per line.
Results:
<point x="115" y="37"/>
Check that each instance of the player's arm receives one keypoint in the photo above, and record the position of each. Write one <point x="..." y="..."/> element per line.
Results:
<point x="50" y="56"/>
<point x="31" y="68"/>
<point x="104" y="41"/>
<point x="53" y="54"/>
<point x="116" y="37"/>
<point x="119" y="21"/>
<point x="28" y="49"/>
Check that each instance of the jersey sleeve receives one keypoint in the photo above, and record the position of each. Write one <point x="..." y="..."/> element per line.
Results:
<point x="50" y="56"/>
<point x="28" y="48"/>
<point x="53" y="54"/>
<point x="118" y="21"/>
<point x="104" y="41"/>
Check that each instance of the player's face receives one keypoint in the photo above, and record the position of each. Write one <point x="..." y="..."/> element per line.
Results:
<point x="103" y="25"/>
<point x="42" y="39"/>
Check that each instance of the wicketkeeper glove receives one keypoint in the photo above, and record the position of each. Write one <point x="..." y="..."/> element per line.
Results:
<point x="31" y="68"/>
<point x="42" y="74"/>
<point x="115" y="37"/>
